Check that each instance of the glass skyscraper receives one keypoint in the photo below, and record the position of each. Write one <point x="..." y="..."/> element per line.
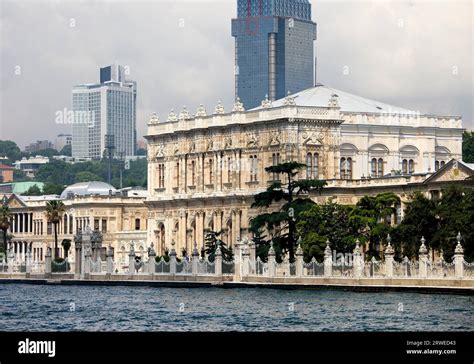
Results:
<point x="273" y="49"/>
<point x="106" y="108"/>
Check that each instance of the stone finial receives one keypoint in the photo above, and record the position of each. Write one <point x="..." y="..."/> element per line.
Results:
<point x="459" y="249"/>
<point x="327" y="251"/>
<point x="299" y="250"/>
<point x="184" y="114"/>
<point x="132" y="248"/>
<point x="219" y="108"/>
<point x="110" y="252"/>
<point x="389" y="249"/>
<point x="151" y="251"/>
<point x="333" y="101"/>
<point x="423" y="249"/>
<point x="173" y="251"/>
<point x="201" y="111"/>
<point x="218" y="250"/>
<point x="357" y="247"/>
<point x="238" y="106"/>
<point x="266" y="104"/>
<point x="195" y="250"/>
<point x="289" y="100"/>
<point x="172" y="116"/>
<point x="154" y="119"/>
<point x="271" y="251"/>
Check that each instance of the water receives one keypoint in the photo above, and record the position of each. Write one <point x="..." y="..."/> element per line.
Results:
<point x="93" y="308"/>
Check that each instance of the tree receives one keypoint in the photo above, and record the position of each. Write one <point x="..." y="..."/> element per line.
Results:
<point x="141" y="151"/>
<point x="212" y="240"/>
<point x="281" y="223"/>
<point x="52" y="189"/>
<point x="320" y="223"/>
<point x="48" y="152"/>
<point x="10" y="150"/>
<point x="468" y="147"/>
<point x="371" y="220"/>
<point x="66" y="244"/>
<point x="419" y="221"/>
<point x="67" y="150"/>
<point x="33" y="191"/>
<point x="54" y="213"/>
<point x="86" y="176"/>
<point x="5" y="218"/>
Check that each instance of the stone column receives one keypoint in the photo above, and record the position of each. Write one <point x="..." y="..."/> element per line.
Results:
<point x="87" y="263"/>
<point x="271" y="261"/>
<point x="327" y="260"/>
<point x="218" y="262"/>
<point x="389" y="253"/>
<point x="238" y="222"/>
<point x="110" y="261"/>
<point x="131" y="260"/>
<point x="151" y="261"/>
<point x="357" y="260"/>
<point x="47" y="263"/>
<point x="299" y="260"/>
<point x="252" y="250"/>
<point x="458" y="259"/>
<point x="237" y="249"/>
<point x="423" y="259"/>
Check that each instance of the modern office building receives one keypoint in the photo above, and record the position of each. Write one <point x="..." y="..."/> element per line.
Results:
<point x="105" y="109"/>
<point x="61" y="141"/>
<point x="274" y="49"/>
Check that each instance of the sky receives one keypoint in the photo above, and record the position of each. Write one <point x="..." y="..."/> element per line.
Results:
<point x="415" y="54"/>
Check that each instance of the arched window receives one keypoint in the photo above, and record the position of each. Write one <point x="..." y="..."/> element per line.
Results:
<point x="309" y="165"/>
<point x="346" y="168"/>
<point x="193" y="172"/>
<point x="373" y="167"/>
<point x="436" y="165"/>
<point x="380" y="168"/>
<point x="442" y="164"/>
<point x="177" y="175"/>
<point x="211" y="171"/>
<point x="342" y="167"/>
<point x="411" y="166"/>
<point x="404" y="166"/>
<point x="229" y="170"/>
<point x="275" y="161"/>
<point x="253" y="168"/>
<point x="315" y="166"/>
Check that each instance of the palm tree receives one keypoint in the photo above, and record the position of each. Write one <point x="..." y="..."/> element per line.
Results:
<point x="54" y="213"/>
<point x="5" y="217"/>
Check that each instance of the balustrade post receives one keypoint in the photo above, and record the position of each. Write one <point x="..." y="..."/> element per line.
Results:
<point x="271" y="261"/>
<point x="357" y="260"/>
<point x="110" y="261"/>
<point x="151" y="260"/>
<point x="389" y="253"/>
<point x="87" y="263"/>
<point x="28" y="263"/>
<point x="195" y="260"/>
<point x="299" y="260"/>
<point x="131" y="260"/>
<point x="423" y="259"/>
<point x="245" y="264"/>
<point x="327" y="260"/>
<point x="172" y="259"/>
<point x="218" y="262"/>
<point x="458" y="259"/>
<point x="47" y="263"/>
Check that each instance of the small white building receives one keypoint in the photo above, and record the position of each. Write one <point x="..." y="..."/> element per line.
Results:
<point x="31" y="165"/>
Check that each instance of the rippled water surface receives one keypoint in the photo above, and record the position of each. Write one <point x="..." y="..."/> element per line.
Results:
<point x="92" y="308"/>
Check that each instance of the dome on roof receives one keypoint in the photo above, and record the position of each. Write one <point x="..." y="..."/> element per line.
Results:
<point x="88" y="188"/>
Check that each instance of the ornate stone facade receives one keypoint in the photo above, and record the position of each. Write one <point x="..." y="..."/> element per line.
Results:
<point x="204" y="170"/>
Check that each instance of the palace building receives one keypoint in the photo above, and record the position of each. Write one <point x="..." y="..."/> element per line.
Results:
<point x="205" y="169"/>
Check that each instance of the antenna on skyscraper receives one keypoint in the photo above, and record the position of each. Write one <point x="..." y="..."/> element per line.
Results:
<point x="109" y="146"/>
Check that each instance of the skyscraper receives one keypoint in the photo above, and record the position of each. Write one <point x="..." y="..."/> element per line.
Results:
<point x="273" y="49"/>
<point x="106" y="108"/>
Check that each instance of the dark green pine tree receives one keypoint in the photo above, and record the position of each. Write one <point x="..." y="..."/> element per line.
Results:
<point x="291" y="198"/>
<point x="212" y="240"/>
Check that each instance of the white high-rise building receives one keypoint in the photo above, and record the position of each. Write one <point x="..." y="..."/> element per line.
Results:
<point x="105" y="108"/>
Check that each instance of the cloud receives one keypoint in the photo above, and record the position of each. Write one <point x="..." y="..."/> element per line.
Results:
<point x="181" y="53"/>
